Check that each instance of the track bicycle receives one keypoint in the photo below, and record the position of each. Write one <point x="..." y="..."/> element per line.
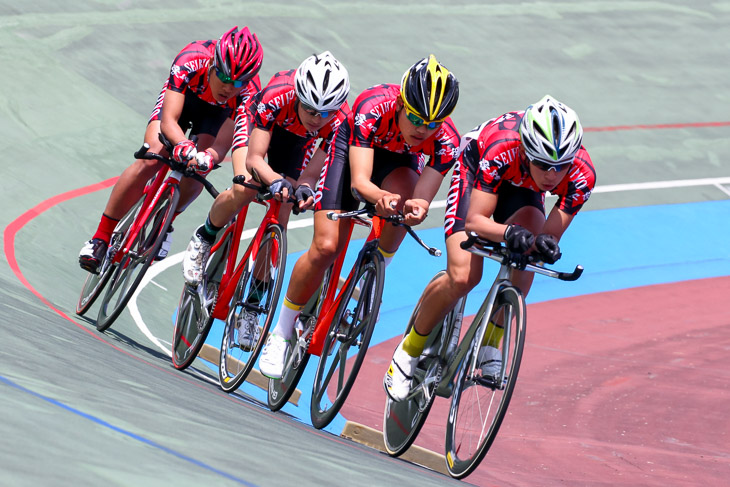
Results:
<point x="332" y="323"/>
<point x="449" y="368"/>
<point x="227" y="291"/>
<point x="137" y="239"/>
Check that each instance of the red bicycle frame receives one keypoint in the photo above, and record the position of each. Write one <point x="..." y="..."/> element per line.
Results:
<point x="230" y="276"/>
<point x="331" y="303"/>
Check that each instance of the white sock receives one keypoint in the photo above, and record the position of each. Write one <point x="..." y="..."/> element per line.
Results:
<point x="288" y="315"/>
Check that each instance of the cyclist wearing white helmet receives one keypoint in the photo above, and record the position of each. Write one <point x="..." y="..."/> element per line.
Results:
<point x="208" y="81"/>
<point x="294" y="110"/>
<point x="379" y="156"/>
<point x="510" y="161"/>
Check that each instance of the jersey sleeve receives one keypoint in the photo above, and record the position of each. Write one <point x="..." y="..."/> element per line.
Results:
<point x="445" y="148"/>
<point x="581" y="181"/>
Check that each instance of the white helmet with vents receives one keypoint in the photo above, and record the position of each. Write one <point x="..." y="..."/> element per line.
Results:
<point x="322" y="82"/>
<point x="551" y="132"/>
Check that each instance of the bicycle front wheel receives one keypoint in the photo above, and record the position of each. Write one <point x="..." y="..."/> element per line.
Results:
<point x="95" y="283"/>
<point x="130" y="270"/>
<point x="403" y="420"/>
<point x="478" y="404"/>
<point x="351" y="327"/>
<point x="255" y="299"/>
<point x="297" y="357"/>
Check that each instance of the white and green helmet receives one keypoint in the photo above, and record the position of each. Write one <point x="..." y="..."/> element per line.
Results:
<point x="551" y="132"/>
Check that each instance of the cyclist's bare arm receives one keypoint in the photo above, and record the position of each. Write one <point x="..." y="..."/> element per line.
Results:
<point x="222" y="142"/>
<point x="416" y="208"/>
<point x="479" y="217"/>
<point x="258" y="146"/>
<point x="311" y="173"/>
<point x="361" y="169"/>
<point x="557" y="222"/>
<point x="309" y="176"/>
<point x="171" y="111"/>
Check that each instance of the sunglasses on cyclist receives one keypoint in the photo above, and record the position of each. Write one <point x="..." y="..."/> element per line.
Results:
<point x="311" y="111"/>
<point x="237" y="83"/>
<point x="418" y="121"/>
<point x="543" y="166"/>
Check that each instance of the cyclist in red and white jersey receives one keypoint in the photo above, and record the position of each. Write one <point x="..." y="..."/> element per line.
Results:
<point x="498" y="190"/>
<point x="295" y="110"/>
<point x="209" y="82"/>
<point x="378" y="156"/>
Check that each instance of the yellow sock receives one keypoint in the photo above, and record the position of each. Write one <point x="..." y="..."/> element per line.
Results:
<point x="493" y="335"/>
<point x="387" y="256"/>
<point x="414" y="343"/>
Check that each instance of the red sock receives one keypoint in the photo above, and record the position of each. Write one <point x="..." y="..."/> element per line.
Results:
<point x="105" y="228"/>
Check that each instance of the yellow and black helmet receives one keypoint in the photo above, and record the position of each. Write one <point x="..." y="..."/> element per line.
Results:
<point x="430" y="90"/>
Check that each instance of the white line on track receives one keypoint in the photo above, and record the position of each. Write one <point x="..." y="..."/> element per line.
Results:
<point x="307" y="222"/>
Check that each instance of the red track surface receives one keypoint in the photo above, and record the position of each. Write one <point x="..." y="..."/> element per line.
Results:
<point x="625" y="388"/>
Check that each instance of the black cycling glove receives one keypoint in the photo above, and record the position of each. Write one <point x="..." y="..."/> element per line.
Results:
<point x="277" y="187"/>
<point x="303" y="193"/>
<point x="548" y="247"/>
<point x="518" y="239"/>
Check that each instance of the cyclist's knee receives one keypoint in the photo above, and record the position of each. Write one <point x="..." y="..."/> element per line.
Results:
<point x="323" y="250"/>
<point x="461" y="281"/>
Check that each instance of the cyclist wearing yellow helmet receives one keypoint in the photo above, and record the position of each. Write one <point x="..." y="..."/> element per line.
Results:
<point x="379" y="156"/>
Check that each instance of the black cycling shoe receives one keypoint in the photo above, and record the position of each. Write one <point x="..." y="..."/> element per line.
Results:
<point x="92" y="255"/>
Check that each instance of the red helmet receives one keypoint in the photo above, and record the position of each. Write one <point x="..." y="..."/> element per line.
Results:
<point x="238" y="54"/>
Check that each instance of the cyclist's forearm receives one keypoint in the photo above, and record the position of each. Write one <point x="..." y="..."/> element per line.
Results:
<point x="260" y="170"/>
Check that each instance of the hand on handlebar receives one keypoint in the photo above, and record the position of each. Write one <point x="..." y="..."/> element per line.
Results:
<point x="518" y="239"/>
<point x="202" y="163"/>
<point x="305" y="197"/>
<point x="281" y="189"/>
<point x="388" y="205"/>
<point x="415" y="211"/>
<point x="184" y="151"/>
<point x="548" y="248"/>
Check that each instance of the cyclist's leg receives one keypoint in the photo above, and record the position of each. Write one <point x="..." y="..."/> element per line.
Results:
<point x="463" y="272"/>
<point x="329" y="239"/>
<point x="130" y="185"/>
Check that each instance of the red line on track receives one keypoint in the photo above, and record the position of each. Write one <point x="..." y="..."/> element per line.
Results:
<point x="657" y="127"/>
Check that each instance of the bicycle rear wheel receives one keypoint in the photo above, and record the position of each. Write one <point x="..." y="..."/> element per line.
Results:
<point x="257" y="292"/>
<point x="94" y="283"/>
<point x="194" y="319"/>
<point x="478" y="405"/>
<point x="403" y="420"/>
<point x="133" y="265"/>
<point x="295" y="362"/>
<point x="351" y="327"/>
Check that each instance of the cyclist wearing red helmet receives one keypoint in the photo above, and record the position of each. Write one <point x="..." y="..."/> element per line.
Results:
<point x="378" y="156"/>
<point x="498" y="190"/>
<point x="209" y="82"/>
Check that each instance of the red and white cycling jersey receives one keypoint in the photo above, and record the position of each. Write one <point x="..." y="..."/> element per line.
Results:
<point x="498" y="152"/>
<point x="190" y="73"/>
<point x="277" y="104"/>
<point x="374" y="124"/>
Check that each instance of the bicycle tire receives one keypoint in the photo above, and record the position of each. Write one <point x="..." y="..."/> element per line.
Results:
<point x="95" y="283"/>
<point x="194" y="320"/>
<point x="477" y="410"/>
<point x="347" y="329"/>
<point x="236" y="363"/>
<point x="403" y="420"/>
<point x="296" y="359"/>
<point x="132" y="267"/>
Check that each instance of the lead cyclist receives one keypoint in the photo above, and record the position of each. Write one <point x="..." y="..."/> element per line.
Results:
<point x="498" y="191"/>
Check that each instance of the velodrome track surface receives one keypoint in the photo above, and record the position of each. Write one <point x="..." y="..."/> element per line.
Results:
<point x="624" y="380"/>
